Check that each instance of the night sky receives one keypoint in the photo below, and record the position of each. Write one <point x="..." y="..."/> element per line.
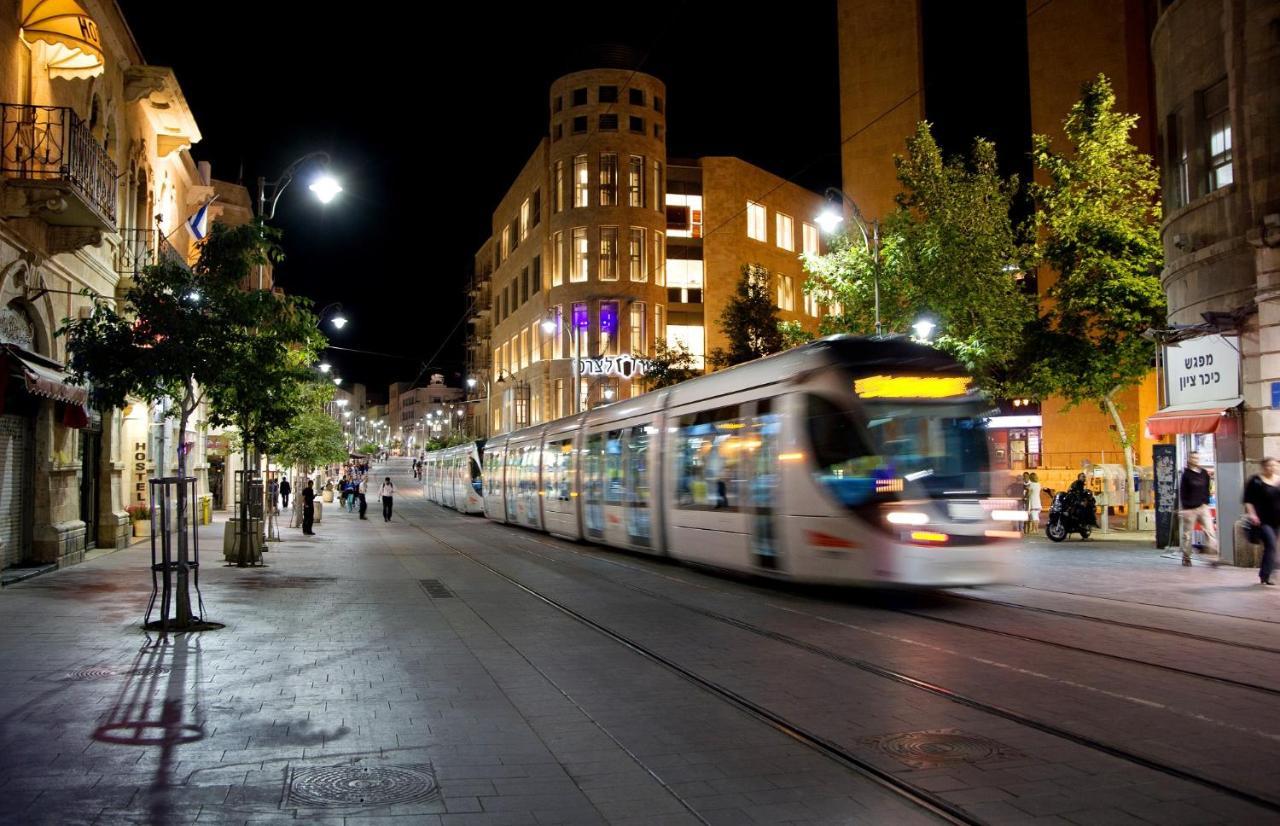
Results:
<point x="429" y="117"/>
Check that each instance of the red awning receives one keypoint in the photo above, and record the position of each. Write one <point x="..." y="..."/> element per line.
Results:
<point x="47" y="378"/>
<point x="1203" y="418"/>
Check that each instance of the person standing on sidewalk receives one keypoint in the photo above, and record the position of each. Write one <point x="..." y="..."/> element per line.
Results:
<point x="285" y="490"/>
<point x="361" y="492"/>
<point x="388" y="491"/>
<point x="1193" y="494"/>
<point x="1033" y="504"/>
<point x="1262" y="505"/>
<point x="308" y="509"/>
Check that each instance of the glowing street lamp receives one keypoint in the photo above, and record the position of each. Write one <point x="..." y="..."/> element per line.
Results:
<point x="326" y="188"/>
<point x="924" y="329"/>
<point x="325" y="367"/>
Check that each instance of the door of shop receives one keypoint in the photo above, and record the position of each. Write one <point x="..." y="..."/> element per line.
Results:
<point x="90" y="466"/>
<point x="17" y="470"/>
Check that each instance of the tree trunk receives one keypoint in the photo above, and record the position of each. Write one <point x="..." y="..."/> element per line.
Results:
<point x="1131" y="494"/>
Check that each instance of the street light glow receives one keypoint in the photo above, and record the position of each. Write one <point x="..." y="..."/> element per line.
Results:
<point x="326" y="188"/>
<point x="548" y="326"/>
<point x="829" y="220"/>
<point x="337" y="380"/>
<point x="338" y="321"/>
<point x="471" y="382"/>
<point x="924" y="329"/>
<point x="325" y="367"/>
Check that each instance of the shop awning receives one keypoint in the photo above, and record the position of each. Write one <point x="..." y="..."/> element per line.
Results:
<point x="1196" y="417"/>
<point x="45" y="377"/>
<point x="75" y="46"/>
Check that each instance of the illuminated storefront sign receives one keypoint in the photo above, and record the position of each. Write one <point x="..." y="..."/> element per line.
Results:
<point x="140" y="472"/>
<point x="624" y="365"/>
<point x="911" y="387"/>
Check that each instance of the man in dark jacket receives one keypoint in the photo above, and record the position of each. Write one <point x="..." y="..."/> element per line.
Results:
<point x="1193" y="503"/>
<point x="308" y="509"/>
<point x="285" y="490"/>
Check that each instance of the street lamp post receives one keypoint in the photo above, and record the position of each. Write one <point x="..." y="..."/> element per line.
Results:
<point x="830" y="219"/>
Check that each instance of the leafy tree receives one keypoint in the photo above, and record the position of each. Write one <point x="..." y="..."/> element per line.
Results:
<point x="178" y="335"/>
<point x="369" y="448"/>
<point x="949" y="251"/>
<point x="794" y="334"/>
<point x="312" y="437"/>
<point x="669" y="366"/>
<point x="1098" y="220"/>
<point x="749" y="320"/>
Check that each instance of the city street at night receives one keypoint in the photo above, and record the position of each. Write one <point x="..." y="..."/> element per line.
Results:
<point x="453" y="670"/>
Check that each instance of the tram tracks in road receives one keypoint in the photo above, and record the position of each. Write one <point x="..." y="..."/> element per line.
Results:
<point x="1154" y="629"/>
<point x="816" y="740"/>
<point x="926" y="800"/>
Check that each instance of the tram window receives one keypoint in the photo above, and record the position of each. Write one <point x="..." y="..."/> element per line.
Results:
<point x="711" y="447"/>
<point x="476" y="475"/>
<point x="843" y="461"/>
<point x="638" y="466"/>
<point x="613" y="468"/>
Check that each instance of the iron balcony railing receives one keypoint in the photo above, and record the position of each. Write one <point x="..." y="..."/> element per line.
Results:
<point x="51" y="143"/>
<point x="137" y="250"/>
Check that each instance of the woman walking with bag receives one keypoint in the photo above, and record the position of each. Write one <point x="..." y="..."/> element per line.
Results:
<point x="1262" y="504"/>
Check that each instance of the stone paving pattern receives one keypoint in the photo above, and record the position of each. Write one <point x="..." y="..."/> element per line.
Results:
<point x="340" y="672"/>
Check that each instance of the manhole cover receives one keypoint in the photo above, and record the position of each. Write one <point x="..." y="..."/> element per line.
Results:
<point x="151" y="671"/>
<point x="91" y="674"/>
<point x="435" y="588"/>
<point x="362" y="785"/>
<point x="941" y="747"/>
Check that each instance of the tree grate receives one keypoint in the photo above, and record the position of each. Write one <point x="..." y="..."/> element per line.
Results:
<point x="435" y="588"/>
<point x="353" y="785"/>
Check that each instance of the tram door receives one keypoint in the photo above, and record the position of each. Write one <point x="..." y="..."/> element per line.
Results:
<point x="636" y="488"/>
<point x="593" y="483"/>
<point x="766" y="492"/>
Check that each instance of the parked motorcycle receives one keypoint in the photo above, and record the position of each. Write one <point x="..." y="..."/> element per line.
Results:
<point x="1070" y="513"/>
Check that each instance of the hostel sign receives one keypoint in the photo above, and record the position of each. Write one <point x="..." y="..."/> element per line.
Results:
<point x="624" y="365"/>
<point x="1205" y="369"/>
<point x="139" y="472"/>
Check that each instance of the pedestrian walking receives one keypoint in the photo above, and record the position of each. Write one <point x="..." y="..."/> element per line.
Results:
<point x="388" y="491"/>
<point x="1193" y="499"/>
<point x="273" y="490"/>
<point x="308" y="509"/>
<point x="1033" y="503"/>
<point x="361" y="491"/>
<point x="1262" y="506"/>
<point x="285" y="490"/>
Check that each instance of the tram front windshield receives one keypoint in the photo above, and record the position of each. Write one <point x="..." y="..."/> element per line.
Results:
<point x="901" y="448"/>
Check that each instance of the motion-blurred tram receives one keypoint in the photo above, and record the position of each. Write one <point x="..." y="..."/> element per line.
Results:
<point x="844" y="461"/>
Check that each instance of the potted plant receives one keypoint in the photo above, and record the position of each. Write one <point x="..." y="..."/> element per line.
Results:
<point x="140" y="515"/>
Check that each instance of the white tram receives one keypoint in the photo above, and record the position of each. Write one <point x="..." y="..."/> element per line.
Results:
<point x="451" y="477"/>
<point x="847" y="460"/>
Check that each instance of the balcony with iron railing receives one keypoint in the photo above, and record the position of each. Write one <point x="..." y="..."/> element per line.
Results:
<point x="55" y="167"/>
<point x="143" y="248"/>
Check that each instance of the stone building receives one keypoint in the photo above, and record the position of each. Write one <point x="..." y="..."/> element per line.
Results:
<point x="600" y="249"/>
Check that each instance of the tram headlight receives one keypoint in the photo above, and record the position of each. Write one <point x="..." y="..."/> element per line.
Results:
<point x="1009" y="516"/>
<point x="906" y="518"/>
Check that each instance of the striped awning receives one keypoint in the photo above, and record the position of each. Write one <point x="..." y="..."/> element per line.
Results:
<point x="75" y="45"/>
<point x="45" y="377"/>
<point x="1200" y="417"/>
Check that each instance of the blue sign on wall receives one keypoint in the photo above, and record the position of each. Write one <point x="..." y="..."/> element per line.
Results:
<point x="1275" y="394"/>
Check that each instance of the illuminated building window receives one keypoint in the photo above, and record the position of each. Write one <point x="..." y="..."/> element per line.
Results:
<point x="809" y="239"/>
<point x="659" y="323"/>
<point x="524" y="219"/>
<point x="786" y="293"/>
<point x="1217" y="114"/>
<point x="636" y="124"/>
<point x="535" y="344"/>
<point x="692" y="337"/>
<point x="810" y="304"/>
<point x="608" y="179"/>
<point x="581" y="329"/>
<point x="557" y="339"/>
<point x="505" y="245"/>
<point x="639" y="342"/>
<point x="785" y="232"/>
<point x="684" y="215"/>
<point x="635" y="181"/>
<point x="580" y="125"/>
<point x="581" y="256"/>
<point x="607" y="94"/>
<point x="756" y="217"/>
<point x="580" y="97"/>
<point x="557" y="259"/>
<point x="608" y="253"/>
<point x="685" y="280"/>
<point x="609" y="123"/>
<point x="659" y="261"/>
<point x="635" y="255"/>
<point x="609" y="328"/>
<point x="581" y="182"/>
<point x="558" y="195"/>
<point x="524" y="349"/>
